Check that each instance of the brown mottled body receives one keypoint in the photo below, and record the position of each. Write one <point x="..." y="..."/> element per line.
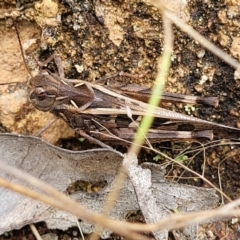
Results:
<point x="101" y="111"/>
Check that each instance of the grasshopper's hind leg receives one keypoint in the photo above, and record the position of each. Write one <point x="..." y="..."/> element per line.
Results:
<point x="93" y="140"/>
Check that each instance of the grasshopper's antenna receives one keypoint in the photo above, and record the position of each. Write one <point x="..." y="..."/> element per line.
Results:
<point x="24" y="60"/>
<point x="20" y="44"/>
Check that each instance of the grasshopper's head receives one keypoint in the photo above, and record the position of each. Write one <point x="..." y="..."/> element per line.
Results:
<point x="41" y="94"/>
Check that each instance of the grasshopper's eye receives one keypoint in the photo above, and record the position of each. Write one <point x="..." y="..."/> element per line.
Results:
<point x="41" y="94"/>
<point x="42" y="99"/>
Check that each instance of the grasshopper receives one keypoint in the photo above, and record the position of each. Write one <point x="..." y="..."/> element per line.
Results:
<point x="97" y="111"/>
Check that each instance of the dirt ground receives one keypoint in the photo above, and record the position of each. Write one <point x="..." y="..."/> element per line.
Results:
<point x="100" y="38"/>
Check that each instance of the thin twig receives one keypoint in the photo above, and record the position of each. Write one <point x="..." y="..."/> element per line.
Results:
<point x="35" y="232"/>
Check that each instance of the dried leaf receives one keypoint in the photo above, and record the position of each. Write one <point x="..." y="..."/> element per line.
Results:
<point x="59" y="167"/>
